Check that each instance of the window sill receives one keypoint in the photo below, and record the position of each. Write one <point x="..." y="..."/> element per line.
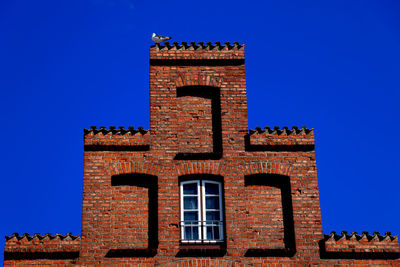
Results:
<point x="201" y="242"/>
<point x="192" y="249"/>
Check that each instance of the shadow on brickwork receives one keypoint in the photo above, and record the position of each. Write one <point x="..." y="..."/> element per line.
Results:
<point x="283" y="183"/>
<point x="149" y="182"/>
<point x="212" y="93"/>
<point x="116" y="148"/>
<point x="355" y="255"/>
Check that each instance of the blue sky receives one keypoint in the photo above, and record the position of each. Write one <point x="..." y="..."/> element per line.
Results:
<point x="330" y="65"/>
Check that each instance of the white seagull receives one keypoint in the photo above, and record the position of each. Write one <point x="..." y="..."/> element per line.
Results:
<point x="159" y="38"/>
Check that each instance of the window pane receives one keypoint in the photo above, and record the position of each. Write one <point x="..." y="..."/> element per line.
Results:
<point x="212" y="203"/>
<point x="190" y="216"/>
<point x="190" y="189"/>
<point x="201" y="220"/>
<point x="212" y="189"/>
<point x="212" y="216"/>
<point x="191" y="233"/>
<point x="190" y="203"/>
<point x="213" y="233"/>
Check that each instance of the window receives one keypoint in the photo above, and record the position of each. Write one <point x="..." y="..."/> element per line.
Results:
<point x="201" y="211"/>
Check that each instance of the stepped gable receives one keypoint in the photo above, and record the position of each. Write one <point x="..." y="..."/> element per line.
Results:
<point x="200" y="50"/>
<point x="262" y="184"/>
<point x="281" y="137"/>
<point x="375" y="243"/>
<point x="115" y="137"/>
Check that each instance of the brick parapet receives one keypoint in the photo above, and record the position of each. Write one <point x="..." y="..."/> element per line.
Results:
<point x="364" y="243"/>
<point x="281" y="137"/>
<point x="114" y="137"/>
<point x="197" y="51"/>
<point x="130" y="137"/>
<point x="42" y="244"/>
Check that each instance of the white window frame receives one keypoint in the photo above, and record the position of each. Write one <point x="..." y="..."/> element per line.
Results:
<point x="201" y="204"/>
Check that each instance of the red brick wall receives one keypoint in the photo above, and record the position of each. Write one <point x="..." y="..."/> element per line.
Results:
<point x="270" y="186"/>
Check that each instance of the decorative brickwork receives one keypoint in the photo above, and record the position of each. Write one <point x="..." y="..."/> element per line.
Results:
<point x="189" y="168"/>
<point x="116" y="139"/>
<point x="38" y="249"/>
<point x="198" y="51"/>
<point x="118" y="168"/>
<point x="362" y="245"/>
<point x="267" y="168"/>
<point x="150" y="197"/>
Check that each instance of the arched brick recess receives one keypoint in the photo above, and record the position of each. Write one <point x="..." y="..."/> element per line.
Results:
<point x="268" y="168"/>
<point x="200" y="168"/>
<point x="204" y="262"/>
<point x="134" y="167"/>
<point x="197" y="80"/>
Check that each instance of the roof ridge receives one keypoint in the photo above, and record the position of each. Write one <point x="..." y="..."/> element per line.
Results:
<point x="39" y="236"/>
<point x="199" y="45"/>
<point x="115" y="130"/>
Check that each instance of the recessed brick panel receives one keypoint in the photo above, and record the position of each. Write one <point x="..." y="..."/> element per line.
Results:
<point x="130" y="216"/>
<point x="265" y="217"/>
<point x="195" y="133"/>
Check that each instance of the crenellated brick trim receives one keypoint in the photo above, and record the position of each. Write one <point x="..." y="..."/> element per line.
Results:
<point x="197" y="46"/>
<point x="364" y="243"/>
<point x="60" y="246"/>
<point x="115" y="139"/>
<point x="196" y="52"/>
<point x="267" y="168"/>
<point x="134" y="167"/>
<point x="200" y="168"/>
<point x="183" y="79"/>
<point x="276" y="139"/>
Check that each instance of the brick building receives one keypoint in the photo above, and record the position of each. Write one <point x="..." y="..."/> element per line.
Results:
<point x="199" y="188"/>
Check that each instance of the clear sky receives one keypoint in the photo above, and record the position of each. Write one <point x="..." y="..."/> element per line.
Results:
<point x="330" y="65"/>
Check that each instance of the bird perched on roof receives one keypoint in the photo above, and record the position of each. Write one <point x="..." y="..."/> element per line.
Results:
<point x="159" y="38"/>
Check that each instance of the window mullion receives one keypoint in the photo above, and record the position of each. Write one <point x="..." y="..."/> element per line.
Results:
<point x="182" y="223"/>
<point x="221" y="219"/>
<point x="203" y="217"/>
<point x="201" y="207"/>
